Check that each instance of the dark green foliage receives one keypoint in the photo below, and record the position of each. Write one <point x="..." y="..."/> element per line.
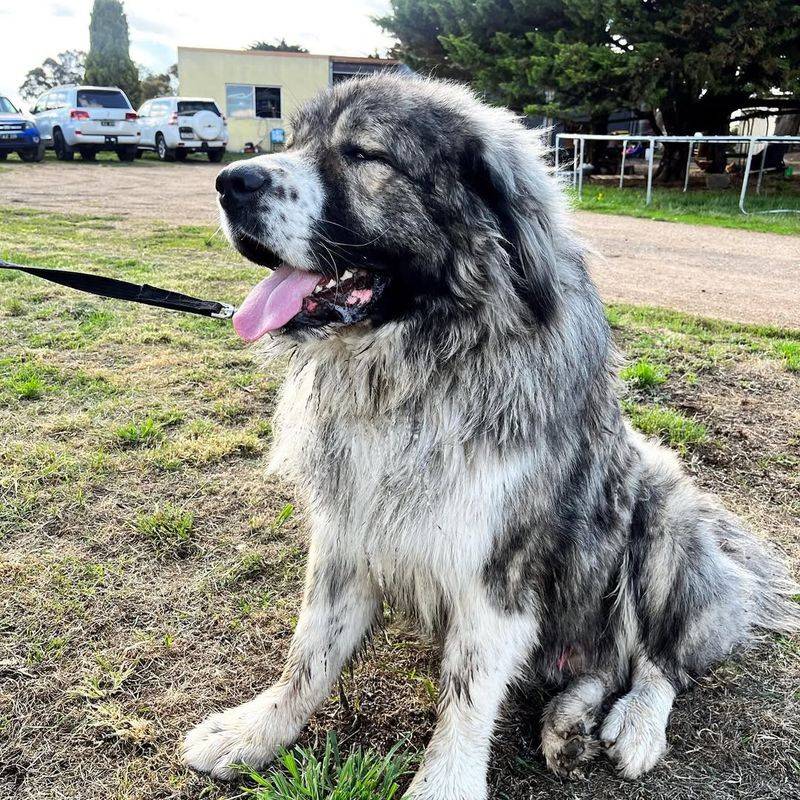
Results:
<point x="694" y="60"/>
<point x="66" y="67"/>
<point x="152" y="85"/>
<point x="281" y="46"/>
<point x="109" y="62"/>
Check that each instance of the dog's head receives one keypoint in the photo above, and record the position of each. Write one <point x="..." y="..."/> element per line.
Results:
<point x="396" y="199"/>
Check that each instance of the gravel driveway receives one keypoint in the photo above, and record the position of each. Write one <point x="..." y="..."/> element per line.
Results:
<point x="718" y="272"/>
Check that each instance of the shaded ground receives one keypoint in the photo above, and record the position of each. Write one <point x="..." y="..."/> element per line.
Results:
<point x="150" y="574"/>
<point x="737" y="275"/>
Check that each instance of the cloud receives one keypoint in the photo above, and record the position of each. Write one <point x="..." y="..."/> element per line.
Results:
<point x="155" y="56"/>
<point x="140" y="24"/>
<point x="61" y="10"/>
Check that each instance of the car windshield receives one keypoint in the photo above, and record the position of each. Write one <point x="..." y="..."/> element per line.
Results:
<point x="188" y="107"/>
<point x="102" y="98"/>
<point x="7" y="107"/>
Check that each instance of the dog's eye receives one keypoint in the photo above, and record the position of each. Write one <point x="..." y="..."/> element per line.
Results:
<point x="358" y="154"/>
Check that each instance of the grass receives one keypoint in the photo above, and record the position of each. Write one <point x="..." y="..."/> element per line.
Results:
<point x="170" y="530"/>
<point x="669" y="425"/>
<point x="700" y="206"/>
<point x="361" y="775"/>
<point x="644" y="375"/>
<point x="151" y="573"/>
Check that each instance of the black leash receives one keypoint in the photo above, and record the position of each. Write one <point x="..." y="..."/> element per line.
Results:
<point x="122" y="290"/>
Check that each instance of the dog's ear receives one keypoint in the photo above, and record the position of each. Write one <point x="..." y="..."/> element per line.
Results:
<point x="508" y="193"/>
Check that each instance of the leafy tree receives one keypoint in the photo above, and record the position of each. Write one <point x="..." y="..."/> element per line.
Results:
<point x="66" y="67"/>
<point x="154" y="85"/>
<point x="109" y="62"/>
<point x="278" y="46"/>
<point x="686" y="63"/>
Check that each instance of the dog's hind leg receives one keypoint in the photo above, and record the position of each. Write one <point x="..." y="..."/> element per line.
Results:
<point x="569" y="722"/>
<point x="485" y="650"/>
<point x="634" y="732"/>
<point x="339" y="609"/>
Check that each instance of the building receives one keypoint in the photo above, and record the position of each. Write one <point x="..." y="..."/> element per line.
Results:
<point x="258" y="90"/>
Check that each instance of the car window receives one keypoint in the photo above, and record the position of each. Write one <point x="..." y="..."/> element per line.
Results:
<point x="102" y="98"/>
<point x="161" y="108"/>
<point x="54" y="100"/>
<point x="186" y="108"/>
<point x="144" y="111"/>
<point x="7" y="107"/>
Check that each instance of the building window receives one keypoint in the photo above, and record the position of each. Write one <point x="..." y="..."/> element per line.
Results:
<point x="239" y="101"/>
<point x="268" y="102"/>
<point x="245" y="101"/>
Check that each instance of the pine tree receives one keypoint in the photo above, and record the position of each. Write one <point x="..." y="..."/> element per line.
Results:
<point x="109" y="62"/>
<point x="692" y="61"/>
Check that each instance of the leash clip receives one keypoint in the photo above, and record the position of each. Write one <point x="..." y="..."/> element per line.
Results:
<point x="226" y="311"/>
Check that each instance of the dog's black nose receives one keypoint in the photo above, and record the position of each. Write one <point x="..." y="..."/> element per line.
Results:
<point x="238" y="183"/>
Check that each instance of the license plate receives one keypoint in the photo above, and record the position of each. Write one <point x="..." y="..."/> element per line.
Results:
<point x="9" y="136"/>
<point x="111" y="139"/>
<point x="107" y="122"/>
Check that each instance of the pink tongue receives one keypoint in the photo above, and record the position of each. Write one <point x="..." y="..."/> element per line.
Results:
<point x="272" y="303"/>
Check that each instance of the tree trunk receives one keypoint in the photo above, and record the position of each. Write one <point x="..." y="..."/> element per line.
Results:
<point x="683" y="117"/>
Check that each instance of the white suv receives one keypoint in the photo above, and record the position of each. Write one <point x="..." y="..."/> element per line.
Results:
<point x="176" y="126"/>
<point x="87" y="119"/>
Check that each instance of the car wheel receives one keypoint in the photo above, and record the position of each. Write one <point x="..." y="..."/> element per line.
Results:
<point x="180" y="155"/>
<point x="40" y="152"/>
<point x="216" y="156"/>
<point x="139" y="153"/>
<point x="164" y="152"/>
<point x="63" y="151"/>
<point x="88" y="154"/>
<point x="126" y="153"/>
<point x="28" y="155"/>
<point x="3" y="156"/>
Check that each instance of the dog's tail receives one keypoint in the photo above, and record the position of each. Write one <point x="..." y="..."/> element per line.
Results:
<point x="775" y="595"/>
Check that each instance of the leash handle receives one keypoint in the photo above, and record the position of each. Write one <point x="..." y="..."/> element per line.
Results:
<point x="123" y="290"/>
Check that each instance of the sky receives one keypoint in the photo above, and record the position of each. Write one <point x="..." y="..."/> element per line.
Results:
<point x="32" y="31"/>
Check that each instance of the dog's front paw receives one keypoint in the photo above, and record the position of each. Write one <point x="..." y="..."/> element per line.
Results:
<point x="228" y="739"/>
<point x="634" y="735"/>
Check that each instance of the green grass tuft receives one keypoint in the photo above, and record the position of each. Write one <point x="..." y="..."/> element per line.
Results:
<point x="362" y="775"/>
<point x="644" y="375"/>
<point x="666" y="423"/>
<point x="790" y="353"/>
<point x="170" y="530"/>
<point x="138" y="434"/>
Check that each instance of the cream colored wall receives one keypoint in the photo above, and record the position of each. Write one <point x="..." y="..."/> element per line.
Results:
<point x="204" y="73"/>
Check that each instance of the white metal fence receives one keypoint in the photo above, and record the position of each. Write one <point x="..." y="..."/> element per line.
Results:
<point x="579" y="140"/>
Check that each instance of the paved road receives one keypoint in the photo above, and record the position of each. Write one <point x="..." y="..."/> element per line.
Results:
<point x="718" y="272"/>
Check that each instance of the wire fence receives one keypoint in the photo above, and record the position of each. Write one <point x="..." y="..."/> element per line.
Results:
<point x="751" y="142"/>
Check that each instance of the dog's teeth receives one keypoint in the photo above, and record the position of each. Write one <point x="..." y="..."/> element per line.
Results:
<point x="330" y="284"/>
<point x="346" y="275"/>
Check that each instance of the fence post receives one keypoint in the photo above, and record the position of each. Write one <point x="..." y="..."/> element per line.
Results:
<point x="650" y="155"/>
<point x="746" y="177"/>
<point x="574" y="161"/>
<point x="688" y="166"/>
<point x="761" y="170"/>
<point x="555" y="157"/>
<point x="622" y="165"/>
<point x="580" y="173"/>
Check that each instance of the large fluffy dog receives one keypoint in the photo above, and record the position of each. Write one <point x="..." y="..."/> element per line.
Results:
<point x="451" y="419"/>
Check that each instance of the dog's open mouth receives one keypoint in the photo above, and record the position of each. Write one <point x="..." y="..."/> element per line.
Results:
<point x="298" y="298"/>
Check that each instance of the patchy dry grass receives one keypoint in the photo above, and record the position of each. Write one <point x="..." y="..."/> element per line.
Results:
<point x="150" y="573"/>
